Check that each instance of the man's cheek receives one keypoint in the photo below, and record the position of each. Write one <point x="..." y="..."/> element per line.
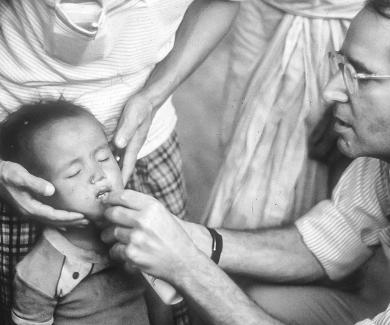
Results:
<point x="379" y="126"/>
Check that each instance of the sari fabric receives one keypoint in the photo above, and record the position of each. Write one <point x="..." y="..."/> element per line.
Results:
<point x="279" y="67"/>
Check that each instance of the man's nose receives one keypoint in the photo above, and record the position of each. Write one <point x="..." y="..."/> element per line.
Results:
<point x="335" y="90"/>
<point x="97" y="174"/>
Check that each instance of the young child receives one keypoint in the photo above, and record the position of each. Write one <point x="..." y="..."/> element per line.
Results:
<point x="67" y="277"/>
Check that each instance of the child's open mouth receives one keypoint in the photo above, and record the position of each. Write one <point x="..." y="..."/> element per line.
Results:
<point x="103" y="192"/>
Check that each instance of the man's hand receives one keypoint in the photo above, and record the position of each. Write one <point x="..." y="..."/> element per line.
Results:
<point x="147" y="236"/>
<point x="18" y="186"/>
<point x="132" y="130"/>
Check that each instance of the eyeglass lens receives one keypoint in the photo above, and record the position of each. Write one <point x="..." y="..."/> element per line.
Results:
<point x="338" y="63"/>
<point x="350" y="80"/>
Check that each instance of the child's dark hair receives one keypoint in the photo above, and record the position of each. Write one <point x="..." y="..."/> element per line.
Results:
<point x="19" y="128"/>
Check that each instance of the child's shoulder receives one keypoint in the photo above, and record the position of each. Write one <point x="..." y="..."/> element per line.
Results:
<point x="41" y="267"/>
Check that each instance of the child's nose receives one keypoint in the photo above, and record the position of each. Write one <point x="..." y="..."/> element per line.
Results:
<point x="97" y="175"/>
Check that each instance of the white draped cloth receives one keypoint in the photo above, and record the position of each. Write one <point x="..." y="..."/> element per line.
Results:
<point x="279" y="67"/>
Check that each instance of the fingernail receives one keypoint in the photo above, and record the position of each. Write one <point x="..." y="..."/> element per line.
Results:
<point x="84" y="222"/>
<point x="120" y="142"/>
<point x="49" y="190"/>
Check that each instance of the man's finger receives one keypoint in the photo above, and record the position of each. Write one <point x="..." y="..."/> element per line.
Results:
<point x="118" y="252"/>
<point x="122" y="216"/>
<point x="130" y="267"/>
<point x="129" y="199"/>
<point x="107" y="235"/>
<point x="123" y="235"/>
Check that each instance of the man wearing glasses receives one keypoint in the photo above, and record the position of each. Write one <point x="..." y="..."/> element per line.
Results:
<point x="341" y="247"/>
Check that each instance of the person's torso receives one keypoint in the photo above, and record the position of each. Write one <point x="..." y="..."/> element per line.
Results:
<point x="97" y="56"/>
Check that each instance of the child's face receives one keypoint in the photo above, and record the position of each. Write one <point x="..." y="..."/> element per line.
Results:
<point x="76" y="158"/>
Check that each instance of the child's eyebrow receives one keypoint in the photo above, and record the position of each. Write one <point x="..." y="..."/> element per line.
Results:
<point x="69" y="163"/>
<point x="102" y="146"/>
<point x="78" y="160"/>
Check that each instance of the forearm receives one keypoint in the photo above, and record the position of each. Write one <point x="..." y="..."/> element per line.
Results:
<point x="216" y="296"/>
<point x="203" y="26"/>
<point x="277" y="255"/>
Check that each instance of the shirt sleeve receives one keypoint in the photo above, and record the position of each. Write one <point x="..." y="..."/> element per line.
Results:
<point x="380" y="319"/>
<point x="31" y="306"/>
<point x="336" y="230"/>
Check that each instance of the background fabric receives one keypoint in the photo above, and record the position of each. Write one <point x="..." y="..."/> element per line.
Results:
<point x="274" y="101"/>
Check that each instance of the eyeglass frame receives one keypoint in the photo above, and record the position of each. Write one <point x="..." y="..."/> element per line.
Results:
<point x="340" y="59"/>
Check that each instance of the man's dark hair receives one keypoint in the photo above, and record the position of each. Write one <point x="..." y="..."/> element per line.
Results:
<point x="382" y="7"/>
<point x="20" y="127"/>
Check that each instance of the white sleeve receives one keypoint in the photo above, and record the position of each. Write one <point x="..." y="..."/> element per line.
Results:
<point x="380" y="319"/>
<point x="339" y="231"/>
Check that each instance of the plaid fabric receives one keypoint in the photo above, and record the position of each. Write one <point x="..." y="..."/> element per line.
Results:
<point x="158" y="174"/>
<point x="16" y="238"/>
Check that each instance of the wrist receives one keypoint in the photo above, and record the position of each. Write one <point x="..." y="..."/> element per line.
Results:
<point x="155" y="95"/>
<point x="187" y="266"/>
<point x="160" y="86"/>
<point x="199" y="235"/>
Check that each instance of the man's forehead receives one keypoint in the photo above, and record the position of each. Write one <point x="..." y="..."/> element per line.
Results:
<point x="368" y="41"/>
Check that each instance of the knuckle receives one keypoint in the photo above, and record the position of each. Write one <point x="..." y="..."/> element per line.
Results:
<point x="154" y="206"/>
<point x="116" y="213"/>
<point x="120" y="234"/>
<point x="130" y="252"/>
<point x="115" y="251"/>
<point x="153" y="210"/>
<point x="138" y="238"/>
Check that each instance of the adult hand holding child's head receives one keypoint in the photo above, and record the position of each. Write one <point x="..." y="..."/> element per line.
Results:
<point x="21" y="188"/>
<point x="146" y="235"/>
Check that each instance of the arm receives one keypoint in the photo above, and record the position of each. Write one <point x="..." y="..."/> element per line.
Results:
<point x="329" y="240"/>
<point x="151" y="239"/>
<point x="21" y="189"/>
<point x="277" y="254"/>
<point x="215" y="295"/>
<point x="203" y="26"/>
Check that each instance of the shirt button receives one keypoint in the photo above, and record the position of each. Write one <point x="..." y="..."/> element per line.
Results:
<point x="76" y="275"/>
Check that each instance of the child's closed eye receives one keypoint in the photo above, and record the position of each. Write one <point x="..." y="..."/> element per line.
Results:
<point x="74" y="173"/>
<point x="103" y="159"/>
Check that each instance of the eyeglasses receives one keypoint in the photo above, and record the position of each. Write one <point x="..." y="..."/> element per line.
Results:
<point x="339" y="62"/>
